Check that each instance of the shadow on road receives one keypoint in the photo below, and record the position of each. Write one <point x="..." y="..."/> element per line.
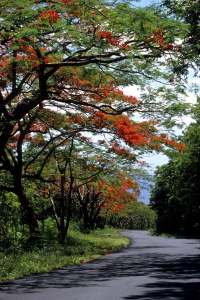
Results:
<point x="171" y="276"/>
<point x="166" y="290"/>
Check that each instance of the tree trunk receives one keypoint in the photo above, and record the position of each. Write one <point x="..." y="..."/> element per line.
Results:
<point x="26" y="206"/>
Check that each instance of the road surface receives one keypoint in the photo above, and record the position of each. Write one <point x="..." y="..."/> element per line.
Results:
<point x="151" y="268"/>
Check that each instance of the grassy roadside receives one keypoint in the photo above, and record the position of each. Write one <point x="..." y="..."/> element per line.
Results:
<point x="80" y="248"/>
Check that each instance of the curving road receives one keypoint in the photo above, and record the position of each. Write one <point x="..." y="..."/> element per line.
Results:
<point x="151" y="268"/>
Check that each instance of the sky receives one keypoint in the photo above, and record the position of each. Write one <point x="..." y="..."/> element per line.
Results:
<point x="146" y="2"/>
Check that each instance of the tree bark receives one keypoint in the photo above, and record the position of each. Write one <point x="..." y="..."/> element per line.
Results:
<point x="26" y="206"/>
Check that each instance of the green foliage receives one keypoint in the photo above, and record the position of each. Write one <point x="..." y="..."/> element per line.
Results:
<point x="62" y="69"/>
<point x="10" y="219"/>
<point x="79" y="248"/>
<point x="138" y="216"/>
<point x="175" y="196"/>
<point x="187" y="11"/>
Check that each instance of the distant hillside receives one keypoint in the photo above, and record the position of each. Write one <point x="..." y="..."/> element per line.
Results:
<point x="144" y="197"/>
<point x="145" y="191"/>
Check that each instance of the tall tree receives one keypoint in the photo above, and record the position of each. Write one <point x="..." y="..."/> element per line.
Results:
<point x="175" y="196"/>
<point x="73" y="57"/>
<point x="80" y="177"/>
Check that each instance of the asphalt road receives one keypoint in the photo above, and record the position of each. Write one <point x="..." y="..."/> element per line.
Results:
<point x="151" y="268"/>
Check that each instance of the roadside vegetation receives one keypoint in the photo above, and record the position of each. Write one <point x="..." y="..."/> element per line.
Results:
<point x="22" y="254"/>
<point x="175" y="195"/>
<point x="20" y="260"/>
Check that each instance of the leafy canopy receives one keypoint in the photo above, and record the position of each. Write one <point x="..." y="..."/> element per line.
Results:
<point x="63" y="65"/>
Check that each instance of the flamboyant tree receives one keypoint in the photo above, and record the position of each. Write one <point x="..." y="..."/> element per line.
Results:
<point x="79" y="177"/>
<point x="137" y="216"/>
<point x="73" y="57"/>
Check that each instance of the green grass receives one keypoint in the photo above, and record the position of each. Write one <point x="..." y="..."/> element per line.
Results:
<point x="79" y="248"/>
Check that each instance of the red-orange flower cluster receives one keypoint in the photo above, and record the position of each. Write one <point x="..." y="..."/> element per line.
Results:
<point x="109" y="37"/>
<point x="50" y="14"/>
<point x="158" y="36"/>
